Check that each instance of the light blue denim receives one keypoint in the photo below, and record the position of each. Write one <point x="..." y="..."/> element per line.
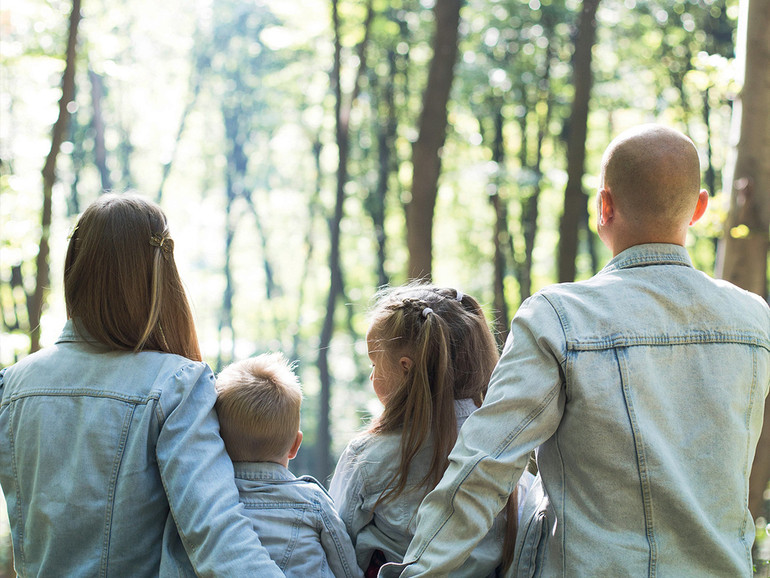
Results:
<point x="365" y="471"/>
<point x="108" y="457"/>
<point x="644" y="389"/>
<point x="296" y="522"/>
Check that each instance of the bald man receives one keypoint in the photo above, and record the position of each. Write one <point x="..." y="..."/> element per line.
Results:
<point x="642" y="389"/>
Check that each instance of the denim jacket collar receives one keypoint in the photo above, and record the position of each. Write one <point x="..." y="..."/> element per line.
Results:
<point x="267" y="471"/>
<point x="464" y="408"/>
<point x="649" y="254"/>
<point x="70" y="334"/>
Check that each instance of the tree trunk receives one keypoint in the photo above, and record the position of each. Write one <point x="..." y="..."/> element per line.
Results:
<point x="313" y="209"/>
<point x="426" y="153"/>
<point x="35" y="304"/>
<point x="743" y="251"/>
<point x="530" y="205"/>
<point x="100" y="148"/>
<point x="574" y="197"/>
<point x="385" y="126"/>
<point x="342" y="112"/>
<point x="501" y="239"/>
<point x="237" y="166"/>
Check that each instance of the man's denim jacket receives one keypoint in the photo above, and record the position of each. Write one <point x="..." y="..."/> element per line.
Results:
<point x="296" y="522"/>
<point x="363" y="473"/>
<point x="644" y="389"/>
<point x="108" y="456"/>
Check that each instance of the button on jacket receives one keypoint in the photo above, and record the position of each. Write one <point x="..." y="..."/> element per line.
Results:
<point x="644" y="388"/>
<point x="365" y="471"/>
<point x="296" y="522"/>
<point x="99" y="449"/>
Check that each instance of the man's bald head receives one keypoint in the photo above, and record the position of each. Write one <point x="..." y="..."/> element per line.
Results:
<point x="653" y="174"/>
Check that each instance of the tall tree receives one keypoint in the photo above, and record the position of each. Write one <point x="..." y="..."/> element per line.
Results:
<point x="426" y="153"/>
<point x="744" y="247"/>
<point x="343" y="106"/>
<point x="501" y="236"/>
<point x="575" y="200"/>
<point x="35" y="304"/>
<point x="98" y="125"/>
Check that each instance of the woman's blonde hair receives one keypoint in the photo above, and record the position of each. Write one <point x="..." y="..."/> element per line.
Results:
<point x="121" y="285"/>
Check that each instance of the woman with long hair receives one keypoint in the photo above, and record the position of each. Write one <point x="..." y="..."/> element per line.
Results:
<point x="110" y="456"/>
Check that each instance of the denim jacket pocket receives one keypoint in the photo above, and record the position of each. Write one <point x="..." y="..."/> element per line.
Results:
<point x="532" y="539"/>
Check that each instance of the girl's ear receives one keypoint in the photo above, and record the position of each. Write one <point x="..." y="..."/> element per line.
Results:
<point x="406" y="364"/>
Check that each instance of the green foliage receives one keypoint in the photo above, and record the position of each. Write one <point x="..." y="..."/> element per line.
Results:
<point x="254" y="78"/>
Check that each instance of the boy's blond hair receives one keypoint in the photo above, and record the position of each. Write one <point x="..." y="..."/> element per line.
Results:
<point x="258" y="403"/>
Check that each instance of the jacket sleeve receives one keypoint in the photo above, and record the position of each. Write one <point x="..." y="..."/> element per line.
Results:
<point x="523" y="408"/>
<point x="336" y="543"/>
<point x="346" y="489"/>
<point x="198" y="478"/>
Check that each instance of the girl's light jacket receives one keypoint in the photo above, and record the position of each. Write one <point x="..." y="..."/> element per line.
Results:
<point x="363" y="473"/>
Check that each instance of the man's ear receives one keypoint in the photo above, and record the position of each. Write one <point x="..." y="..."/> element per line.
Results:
<point x="295" y="447"/>
<point x="606" y="208"/>
<point x="700" y="208"/>
<point x="406" y="364"/>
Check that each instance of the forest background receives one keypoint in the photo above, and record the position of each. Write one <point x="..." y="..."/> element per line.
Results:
<point x="307" y="152"/>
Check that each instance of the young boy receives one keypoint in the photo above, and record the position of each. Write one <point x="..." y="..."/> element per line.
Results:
<point x="258" y="403"/>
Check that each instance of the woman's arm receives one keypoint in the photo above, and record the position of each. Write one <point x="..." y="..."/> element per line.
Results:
<point x="198" y="478"/>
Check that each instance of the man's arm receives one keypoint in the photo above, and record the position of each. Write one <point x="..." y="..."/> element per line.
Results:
<point x="523" y="408"/>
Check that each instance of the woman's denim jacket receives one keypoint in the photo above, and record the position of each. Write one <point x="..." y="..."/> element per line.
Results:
<point x="296" y="522"/>
<point x="364" y="472"/>
<point x="644" y="388"/>
<point x="108" y="456"/>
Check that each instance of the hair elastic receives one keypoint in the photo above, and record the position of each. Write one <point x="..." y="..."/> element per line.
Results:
<point x="460" y="295"/>
<point x="426" y="312"/>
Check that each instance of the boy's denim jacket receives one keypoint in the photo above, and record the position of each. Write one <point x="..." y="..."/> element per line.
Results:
<point x="108" y="456"/>
<point x="364" y="472"/>
<point x="296" y="522"/>
<point x="644" y="389"/>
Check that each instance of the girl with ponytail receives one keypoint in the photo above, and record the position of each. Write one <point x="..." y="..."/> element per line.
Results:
<point x="432" y="356"/>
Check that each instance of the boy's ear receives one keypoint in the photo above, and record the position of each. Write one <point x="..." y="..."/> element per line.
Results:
<point x="295" y="448"/>
<point x="406" y="364"/>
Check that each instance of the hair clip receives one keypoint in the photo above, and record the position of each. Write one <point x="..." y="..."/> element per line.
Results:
<point x="426" y="312"/>
<point x="459" y="296"/>
<point x="164" y="243"/>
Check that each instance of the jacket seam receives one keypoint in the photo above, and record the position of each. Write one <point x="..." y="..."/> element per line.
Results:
<point x="19" y="496"/>
<point x="110" y="509"/>
<point x="641" y="462"/>
<point x="747" y="466"/>
<point x="80" y="392"/>
<point x="694" y="338"/>
<point x="333" y="534"/>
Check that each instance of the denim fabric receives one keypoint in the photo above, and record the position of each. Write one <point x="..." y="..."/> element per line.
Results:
<point x="365" y="471"/>
<point x="296" y="522"/>
<point x="101" y="451"/>
<point x="644" y="389"/>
